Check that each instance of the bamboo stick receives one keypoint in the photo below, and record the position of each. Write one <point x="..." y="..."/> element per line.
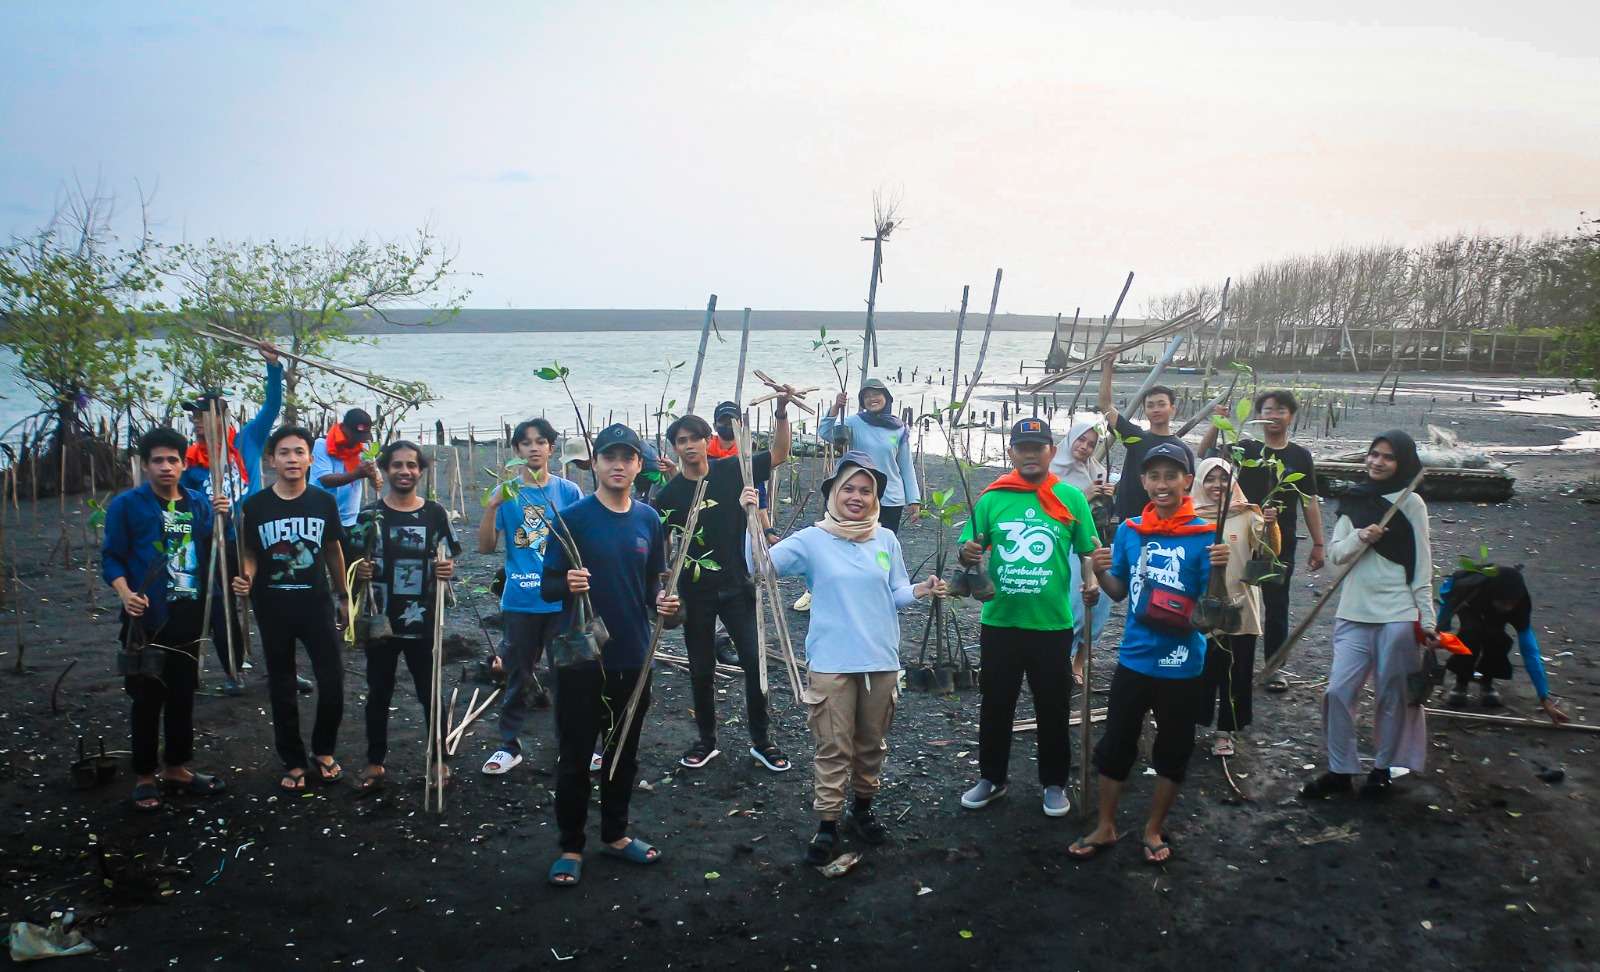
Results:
<point x="744" y="350"/>
<point x="1110" y="321"/>
<point x="233" y="337"/>
<point x="1505" y="720"/>
<point x="961" y="323"/>
<point x="983" y="347"/>
<point x="700" y="358"/>
<point x="433" y="774"/>
<point x="1166" y="329"/>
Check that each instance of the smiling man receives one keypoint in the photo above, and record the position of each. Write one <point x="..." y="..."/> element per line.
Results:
<point x="401" y="533"/>
<point x="1033" y="524"/>
<point x="1160" y="404"/>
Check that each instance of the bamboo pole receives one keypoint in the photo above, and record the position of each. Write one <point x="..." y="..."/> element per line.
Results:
<point x="1072" y="332"/>
<point x="700" y="358"/>
<point x="1166" y="329"/>
<point x="983" y="347"/>
<point x="961" y="323"/>
<point x="1272" y="664"/>
<point x="1505" y="720"/>
<point x="744" y="350"/>
<point x="217" y="332"/>
<point x="868" y="338"/>
<point x="433" y="774"/>
<point x="1110" y="321"/>
<point x="217" y="415"/>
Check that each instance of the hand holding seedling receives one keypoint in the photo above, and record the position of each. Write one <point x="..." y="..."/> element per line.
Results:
<point x="133" y="603"/>
<point x="578" y="580"/>
<point x="666" y="604"/>
<point x="971" y="552"/>
<point x="1270" y="515"/>
<point x="933" y="585"/>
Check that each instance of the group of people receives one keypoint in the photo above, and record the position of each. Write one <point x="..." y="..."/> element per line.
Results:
<point x="1059" y="538"/>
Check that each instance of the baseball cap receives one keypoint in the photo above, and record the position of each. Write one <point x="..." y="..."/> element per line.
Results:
<point x="618" y="435"/>
<point x="730" y="409"/>
<point x="203" y="402"/>
<point x="1031" y="430"/>
<point x="1170" y="451"/>
<point x="357" y="424"/>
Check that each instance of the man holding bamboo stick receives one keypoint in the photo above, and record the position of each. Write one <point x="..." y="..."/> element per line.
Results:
<point x="1159" y="407"/>
<point x="405" y="529"/>
<point x="609" y="528"/>
<point x="715" y="582"/>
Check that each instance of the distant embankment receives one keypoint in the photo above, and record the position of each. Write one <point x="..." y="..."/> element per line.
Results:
<point x="483" y="320"/>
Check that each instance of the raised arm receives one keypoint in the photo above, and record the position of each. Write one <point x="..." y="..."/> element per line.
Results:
<point x="782" y="436"/>
<point x="1109" y="410"/>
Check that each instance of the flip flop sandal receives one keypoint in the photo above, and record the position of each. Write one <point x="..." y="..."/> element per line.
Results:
<point x="772" y="758"/>
<point x="1222" y="747"/>
<point x="198" y="784"/>
<point x="635" y="851"/>
<point x="146" y="791"/>
<point x="565" y="872"/>
<point x="371" y="783"/>
<point x="1150" y="850"/>
<point x="502" y="762"/>
<point x="293" y="784"/>
<point x="1084" y="849"/>
<point x="330" y="772"/>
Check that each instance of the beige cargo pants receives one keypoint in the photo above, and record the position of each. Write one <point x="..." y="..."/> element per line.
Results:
<point x="849" y="717"/>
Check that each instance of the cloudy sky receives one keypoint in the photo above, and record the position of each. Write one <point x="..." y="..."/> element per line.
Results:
<point x="643" y="155"/>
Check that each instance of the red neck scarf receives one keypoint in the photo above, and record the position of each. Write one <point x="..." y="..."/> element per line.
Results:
<point x="340" y="447"/>
<point x="716" y="449"/>
<point x="1045" y="490"/>
<point x="197" y="456"/>
<point x="1179" y="524"/>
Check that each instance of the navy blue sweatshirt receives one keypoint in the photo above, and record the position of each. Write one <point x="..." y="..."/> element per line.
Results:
<point x="623" y="552"/>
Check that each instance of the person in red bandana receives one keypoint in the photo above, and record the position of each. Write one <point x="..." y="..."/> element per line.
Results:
<point x="1032" y="524"/>
<point x="337" y="466"/>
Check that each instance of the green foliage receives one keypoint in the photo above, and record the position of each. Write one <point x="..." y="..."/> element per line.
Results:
<point x="553" y="372"/>
<point x="836" y="354"/>
<point x="1481" y="565"/>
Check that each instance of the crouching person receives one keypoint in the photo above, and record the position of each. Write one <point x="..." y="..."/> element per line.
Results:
<point x="1161" y="560"/>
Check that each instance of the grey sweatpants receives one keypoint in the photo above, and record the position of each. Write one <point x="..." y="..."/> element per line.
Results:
<point x="1400" y="734"/>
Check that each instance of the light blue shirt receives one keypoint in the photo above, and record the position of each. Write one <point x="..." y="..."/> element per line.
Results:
<point x="348" y="495"/>
<point x="890" y="449"/>
<point x="527" y="535"/>
<point x="856" y="591"/>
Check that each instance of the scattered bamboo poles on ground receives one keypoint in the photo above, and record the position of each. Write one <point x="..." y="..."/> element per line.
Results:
<point x="454" y="733"/>
<point x="1272" y="664"/>
<point x="631" y="710"/>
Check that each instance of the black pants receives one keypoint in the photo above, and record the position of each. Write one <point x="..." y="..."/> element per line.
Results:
<point x="310" y="622"/>
<point x="172" y="696"/>
<point x="589" y="702"/>
<point x="737" y="608"/>
<point x="1275" y="608"/>
<point x="1175" y="701"/>
<point x="383" y="660"/>
<point x="889" y="516"/>
<point x="1008" y="655"/>
<point x="1229" y="661"/>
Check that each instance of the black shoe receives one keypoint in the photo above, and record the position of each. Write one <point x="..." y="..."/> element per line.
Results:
<point x="1378" y="783"/>
<point x="1457" y="698"/>
<point x="726" y="653"/>
<point x="866" y="825"/>
<point x="305" y="685"/>
<point x="820" y="850"/>
<point x="1490" y="699"/>
<point x="1326" y="785"/>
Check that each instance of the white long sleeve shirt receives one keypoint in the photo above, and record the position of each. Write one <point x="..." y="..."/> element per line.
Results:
<point x="1376" y="591"/>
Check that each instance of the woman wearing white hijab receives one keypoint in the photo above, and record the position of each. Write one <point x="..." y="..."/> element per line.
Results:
<point x="857" y="577"/>
<point x="1077" y="463"/>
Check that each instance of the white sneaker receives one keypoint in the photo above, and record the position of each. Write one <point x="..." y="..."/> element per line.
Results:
<point x="502" y="762"/>
<point x="981" y="795"/>
<point x="803" y="602"/>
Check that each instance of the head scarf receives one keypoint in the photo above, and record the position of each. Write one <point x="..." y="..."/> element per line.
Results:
<point x="884" y="417"/>
<point x="1366" y="503"/>
<point x="1203" y="506"/>
<point x="1069" y="470"/>
<point x="834" y="516"/>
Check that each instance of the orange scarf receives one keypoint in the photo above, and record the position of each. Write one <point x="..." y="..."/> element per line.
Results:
<point x="198" y="457"/>
<point x="1045" y="490"/>
<point x="716" y="450"/>
<point x="1179" y="524"/>
<point x="341" y="448"/>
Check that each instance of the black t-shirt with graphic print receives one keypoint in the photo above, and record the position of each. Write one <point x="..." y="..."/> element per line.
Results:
<point x="287" y="538"/>
<point x="185" y="580"/>
<point x="402" y="545"/>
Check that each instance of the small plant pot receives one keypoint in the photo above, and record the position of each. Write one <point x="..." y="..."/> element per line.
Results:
<point x="944" y="680"/>
<point x="965" y="678"/>
<point x="1261" y="571"/>
<point x="1215" y="614"/>
<point x="919" y="679"/>
<point x="149" y="661"/>
<point x="973" y="582"/>
<point x="372" y="628"/>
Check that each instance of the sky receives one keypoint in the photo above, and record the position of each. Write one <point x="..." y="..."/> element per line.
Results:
<point x="647" y="154"/>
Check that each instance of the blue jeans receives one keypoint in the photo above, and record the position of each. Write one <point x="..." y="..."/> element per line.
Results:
<point x="526" y="636"/>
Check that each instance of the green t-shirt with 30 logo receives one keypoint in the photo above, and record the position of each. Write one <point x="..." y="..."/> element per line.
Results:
<point x="1029" y="555"/>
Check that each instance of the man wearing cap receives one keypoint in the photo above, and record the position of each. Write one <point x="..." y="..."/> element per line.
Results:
<point x="337" y="466"/>
<point x="1160" y="405"/>
<point x="875" y="431"/>
<point x="621" y="538"/>
<point x="715" y="583"/>
<point x="1161" y="560"/>
<point x="725" y="444"/>
<point x="1033" y="524"/>
<point x="241" y="479"/>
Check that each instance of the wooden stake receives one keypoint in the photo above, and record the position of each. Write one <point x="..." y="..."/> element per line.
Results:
<point x="983" y="348"/>
<point x="1073" y="408"/>
<point x="744" y="348"/>
<point x="433" y="774"/>
<point x="700" y="357"/>
<point x="961" y="323"/>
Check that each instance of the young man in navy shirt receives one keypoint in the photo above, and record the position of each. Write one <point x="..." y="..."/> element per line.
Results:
<point x="1162" y="559"/>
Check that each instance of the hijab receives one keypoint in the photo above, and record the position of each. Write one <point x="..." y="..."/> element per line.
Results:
<point x="1366" y="502"/>
<point x="835" y="518"/>
<point x="883" y="418"/>
<point x="1069" y="470"/>
<point x="1203" y="506"/>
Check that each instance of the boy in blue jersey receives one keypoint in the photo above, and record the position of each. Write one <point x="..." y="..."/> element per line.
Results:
<point x="529" y="619"/>
<point x="1161" y="560"/>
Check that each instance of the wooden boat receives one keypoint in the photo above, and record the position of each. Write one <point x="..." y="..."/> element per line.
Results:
<point x="1492" y="484"/>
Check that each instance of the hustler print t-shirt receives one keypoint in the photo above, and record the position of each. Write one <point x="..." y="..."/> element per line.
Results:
<point x="1030" y="556"/>
<point x="287" y="538"/>
<point x="403" y="543"/>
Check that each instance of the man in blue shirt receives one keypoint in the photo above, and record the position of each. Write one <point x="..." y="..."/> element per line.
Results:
<point x="529" y="620"/>
<point x="1161" y="560"/>
<point x="622" y="538"/>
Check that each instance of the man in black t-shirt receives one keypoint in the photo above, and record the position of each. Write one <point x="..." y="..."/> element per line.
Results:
<point x="714" y="582"/>
<point x="403" y="531"/>
<point x="1159" y="406"/>
<point x="1276" y="409"/>
<point x="291" y="549"/>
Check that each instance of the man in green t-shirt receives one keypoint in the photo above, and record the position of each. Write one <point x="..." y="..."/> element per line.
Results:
<point x="1032" y="524"/>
